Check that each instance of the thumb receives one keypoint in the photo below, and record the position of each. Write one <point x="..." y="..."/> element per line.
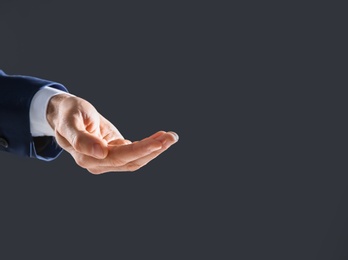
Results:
<point x="85" y="143"/>
<point x="79" y="123"/>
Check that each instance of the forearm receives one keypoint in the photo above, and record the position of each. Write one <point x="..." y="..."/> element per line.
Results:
<point x="17" y="94"/>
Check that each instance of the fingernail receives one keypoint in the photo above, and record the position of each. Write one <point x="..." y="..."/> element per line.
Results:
<point x="98" y="151"/>
<point x="175" y="135"/>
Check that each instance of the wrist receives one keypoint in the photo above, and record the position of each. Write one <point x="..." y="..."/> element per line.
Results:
<point x="53" y="106"/>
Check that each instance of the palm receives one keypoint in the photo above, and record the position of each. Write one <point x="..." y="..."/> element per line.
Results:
<point x="98" y="146"/>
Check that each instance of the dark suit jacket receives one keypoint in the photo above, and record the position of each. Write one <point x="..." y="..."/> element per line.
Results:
<point x="15" y="98"/>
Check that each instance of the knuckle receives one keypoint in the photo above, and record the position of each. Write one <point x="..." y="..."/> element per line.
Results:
<point x="95" y="171"/>
<point x="80" y="161"/>
<point x="132" y="167"/>
<point x="75" y="142"/>
<point x="117" y="162"/>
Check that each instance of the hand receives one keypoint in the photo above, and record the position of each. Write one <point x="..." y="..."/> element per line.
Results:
<point x="95" y="143"/>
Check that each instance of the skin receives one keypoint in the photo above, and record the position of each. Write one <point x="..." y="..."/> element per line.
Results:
<point x="95" y="143"/>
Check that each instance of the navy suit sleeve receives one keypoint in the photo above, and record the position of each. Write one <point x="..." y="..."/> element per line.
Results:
<point x="16" y="94"/>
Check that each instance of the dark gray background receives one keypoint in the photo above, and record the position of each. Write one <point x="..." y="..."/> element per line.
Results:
<point x="255" y="94"/>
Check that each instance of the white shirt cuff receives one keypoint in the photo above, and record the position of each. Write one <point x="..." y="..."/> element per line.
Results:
<point x="39" y="125"/>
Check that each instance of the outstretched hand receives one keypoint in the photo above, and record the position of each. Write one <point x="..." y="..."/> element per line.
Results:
<point x="95" y="143"/>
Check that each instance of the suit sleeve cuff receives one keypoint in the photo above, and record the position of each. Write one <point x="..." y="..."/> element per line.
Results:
<point x="39" y="125"/>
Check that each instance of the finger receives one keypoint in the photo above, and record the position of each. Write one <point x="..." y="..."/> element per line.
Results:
<point x="139" y="149"/>
<point x="117" y="161"/>
<point x="119" y="142"/>
<point x="121" y="154"/>
<point x="155" y="135"/>
<point x="161" y="133"/>
<point x="104" y="169"/>
<point x="169" y="139"/>
<point x="125" y="141"/>
<point x="131" y="166"/>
